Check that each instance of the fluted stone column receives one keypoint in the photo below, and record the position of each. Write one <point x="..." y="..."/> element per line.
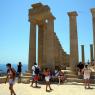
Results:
<point x="32" y="45"/>
<point x="61" y="59"/>
<point x="93" y="22"/>
<point x="91" y="52"/>
<point x="55" y="49"/>
<point x="50" y="44"/>
<point x="82" y="54"/>
<point x="40" y="44"/>
<point x="73" y="40"/>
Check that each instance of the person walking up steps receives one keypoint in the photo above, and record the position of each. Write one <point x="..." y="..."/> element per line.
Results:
<point x="11" y="74"/>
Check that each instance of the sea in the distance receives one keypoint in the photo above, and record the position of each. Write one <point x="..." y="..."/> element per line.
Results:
<point x="4" y="69"/>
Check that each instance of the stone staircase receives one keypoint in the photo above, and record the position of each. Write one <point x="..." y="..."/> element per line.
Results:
<point x="72" y="77"/>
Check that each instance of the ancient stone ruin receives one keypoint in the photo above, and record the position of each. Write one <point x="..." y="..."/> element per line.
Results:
<point x="50" y="51"/>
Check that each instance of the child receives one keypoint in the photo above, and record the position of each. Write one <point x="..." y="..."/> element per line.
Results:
<point x="47" y="79"/>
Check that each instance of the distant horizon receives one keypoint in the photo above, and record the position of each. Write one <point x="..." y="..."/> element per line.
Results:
<point x="15" y="27"/>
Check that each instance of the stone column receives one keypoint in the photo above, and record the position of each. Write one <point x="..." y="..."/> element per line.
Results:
<point x="93" y="21"/>
<point x="40" y="44"/>
<point x="50" y="43"/>
<point x="91" y="52"/>
<point x="73" y="40"/>
<point x="82" y="54"/>
<point x="32" y="45"/>
<point x="55" y="49"/>
<point x="61" y="59"/>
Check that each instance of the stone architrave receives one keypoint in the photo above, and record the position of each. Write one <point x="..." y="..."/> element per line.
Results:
<point x="91" y="52"/>
<point x="93" y="22"/>
<point x="32" y="45"/>
<point x="73" y="40"/>
<point x="82" y="54"/>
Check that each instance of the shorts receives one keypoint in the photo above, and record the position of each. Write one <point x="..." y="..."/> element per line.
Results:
<point x="35" y="77"/>
<point x="47" y="78"/>
<point x="11" y="81"/>
<point x="86" y="77"/>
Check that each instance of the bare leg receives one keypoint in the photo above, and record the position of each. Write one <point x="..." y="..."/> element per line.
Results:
<point x="88" y="83"/>
<point x="49" y="86"/>
<point x="36" y="83"/>
<point x="19" y="78"/>
<point x="32" y="82"/>
<point x="46" y="86"/>
<point x="11" y="89"/>
<point x="85" y="83"/>
<point x="59" y="79"/>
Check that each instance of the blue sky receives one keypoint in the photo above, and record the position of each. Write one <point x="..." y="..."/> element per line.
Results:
<point x="14" y="26"/>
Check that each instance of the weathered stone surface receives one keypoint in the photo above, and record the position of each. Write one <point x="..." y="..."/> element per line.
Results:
<point x="73" y="40"/>
<point x="82" y="54"/>
<point x="91" y="52"/>
<point x="50" y="52"/>
<point x="32" y="46"/>
<point x="93" y="22"/>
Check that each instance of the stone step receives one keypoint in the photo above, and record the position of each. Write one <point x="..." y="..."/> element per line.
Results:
<point x="75" y="80"/>
<point x="27" y="74"/>
<point x="71" y="76"/>
<point x="68" y="72"/>
<point x="92" y="73"/>
<point x="68" y="68"/>
<point x="79" y="80"/>
<point x="3" y="79"/>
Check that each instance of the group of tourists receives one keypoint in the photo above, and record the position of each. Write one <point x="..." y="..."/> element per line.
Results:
<point x="37" y="74"/>
<point x="45" y="74"/>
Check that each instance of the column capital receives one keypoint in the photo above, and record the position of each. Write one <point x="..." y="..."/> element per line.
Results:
<point x="93" y="12"/>
<point x="33" y="21"/>
<point x="91" y="44"/>
<point x="73" y="13"/>
<point x="81" y="45"/>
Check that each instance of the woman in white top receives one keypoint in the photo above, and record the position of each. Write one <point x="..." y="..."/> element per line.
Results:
<point x="87" y="73"/>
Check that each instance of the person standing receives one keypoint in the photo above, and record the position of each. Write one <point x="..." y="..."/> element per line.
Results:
<point x="19" y="71"/>
<point x="35" y="74"/>
<point x="61" y="77"/>
<point x="11" y="75"/>
<point x="87" y="73"/>
<point x="47" y="79"/>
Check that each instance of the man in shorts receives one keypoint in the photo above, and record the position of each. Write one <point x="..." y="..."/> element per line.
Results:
<point x="34" y="75"/>
<point x="11" y="74"/>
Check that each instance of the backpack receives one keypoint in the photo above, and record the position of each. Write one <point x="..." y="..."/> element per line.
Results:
<point x="14" y="72"/>
<point x="36" y="70"/>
